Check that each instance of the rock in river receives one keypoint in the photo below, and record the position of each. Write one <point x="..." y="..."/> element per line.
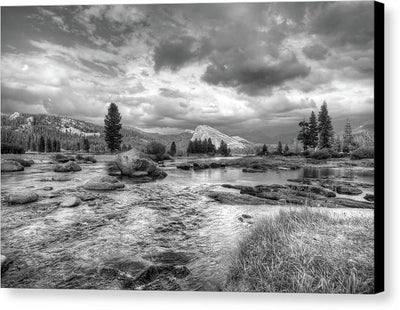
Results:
<point x="184" y="166"/>
<point x="70" y="202"/>
<point x="370" y="197"/>
<point x="67" y="167"/>
<point x="11" y="166"/>
<point x="105" y="183"/>
<point x="348" y="190"/>
<point x="24" y="162"/>
<point x="22" y="197"/>
<point x="132" y="164"/>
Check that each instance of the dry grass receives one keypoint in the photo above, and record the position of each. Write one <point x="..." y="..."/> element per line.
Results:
<point x="306" y="252"/>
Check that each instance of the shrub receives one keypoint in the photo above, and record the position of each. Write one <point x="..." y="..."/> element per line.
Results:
<point x="321" y="154"/>
<point x="306" y="153"/>
<point x="289" y="153"/>
<point x="157" y="149"/>
<point x="11" y="148"/>
<point x="363" y="152"/>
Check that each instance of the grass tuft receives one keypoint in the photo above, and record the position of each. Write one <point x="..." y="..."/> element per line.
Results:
<point x="305" y="251"/>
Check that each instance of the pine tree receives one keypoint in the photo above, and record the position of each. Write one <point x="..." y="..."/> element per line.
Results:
<point x="190" y="149"/>
<point x="304" y="134"/>
<point x="287" y="149"/>
<point x="265" y="150"/>
<point x="172" y="149"/>
<point x="325" y="128"/>
<point x="210" y="146"/>
<point x="223" y="149"/>
<point x="313" y="131"/>
<point x="58" y="146"/>
<point x="86" y="145"/>
<point x="54" y="145"/>
<point x="204" y="146"/>
<point x="348" y="139"/>
<point x="279" y="149"/>
<point x="112" y="127"/>
<point x="42" y="145"/>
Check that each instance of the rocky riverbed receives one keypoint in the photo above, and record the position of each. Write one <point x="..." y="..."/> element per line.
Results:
<point x="175" y="233"/>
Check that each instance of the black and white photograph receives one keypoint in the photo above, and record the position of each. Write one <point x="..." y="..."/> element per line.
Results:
<point x="214" y="147"/>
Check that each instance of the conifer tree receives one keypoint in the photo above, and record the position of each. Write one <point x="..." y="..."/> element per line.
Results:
<point x="280" y="149"/>
<point x="86" y="145"/>
<point x="286" y="148"/>
<point x="313" y="131"/>
<point x="265" y="150"/>
<point x="54" y="143"/>
<point x="190" y="149"/>
<point x="112" y="127"/>
<point x="325" y="129"/>
<point x="304" y="134"/>
<point x="210" y="146"/>
<point x="42" y="145"/>
<point x="348" y="139"/>
<point x="223" y="149"/>
<point x="172" y="149"/>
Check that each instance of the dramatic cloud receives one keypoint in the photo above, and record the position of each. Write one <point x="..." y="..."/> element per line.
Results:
<point x="254" y="77"/>
<point x="315" y="51"/>
<point x="243" y="67"/>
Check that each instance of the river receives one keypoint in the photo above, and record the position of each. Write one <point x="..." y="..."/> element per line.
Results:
<point x="139" y="221"/>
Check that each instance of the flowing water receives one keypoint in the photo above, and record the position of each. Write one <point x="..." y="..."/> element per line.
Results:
<point x="172" y="214"/>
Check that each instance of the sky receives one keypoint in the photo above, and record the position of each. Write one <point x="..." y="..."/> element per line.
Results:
<point x="244" y="69"/>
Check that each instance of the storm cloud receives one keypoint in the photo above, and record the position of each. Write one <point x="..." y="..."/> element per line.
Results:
<point x="235" y="66"/>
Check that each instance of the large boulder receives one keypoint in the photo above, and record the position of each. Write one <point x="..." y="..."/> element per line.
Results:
<point x="67" y="167"/>
<point x="133" y="164"/>
<point x="22" y="197"/>
<point x="105" y="183"/>
<point x="11" y="166"/>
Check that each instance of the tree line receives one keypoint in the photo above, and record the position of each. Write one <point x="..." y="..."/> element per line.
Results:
<point x="319" y="134"/>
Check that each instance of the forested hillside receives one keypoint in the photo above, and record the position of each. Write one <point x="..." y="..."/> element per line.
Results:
<point x="30" y="131"/>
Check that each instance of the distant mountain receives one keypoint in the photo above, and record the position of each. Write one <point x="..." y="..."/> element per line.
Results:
<point x="20" y="128"/>
<point x="204" y="132"/>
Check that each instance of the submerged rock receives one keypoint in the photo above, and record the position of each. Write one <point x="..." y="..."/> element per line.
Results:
<point x="67" y="167"/>
<point x="251" y="170"/>
<point x="132" y="164"/>
<point x="22" y="197"/>
<point x="104" y="183"/>
<point x="60" y="178"/>
<point x="70" y="202"/>
<point x="11" y="166"/>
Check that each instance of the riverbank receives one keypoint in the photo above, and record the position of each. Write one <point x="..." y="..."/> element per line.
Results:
<point x="305" y="251"/>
